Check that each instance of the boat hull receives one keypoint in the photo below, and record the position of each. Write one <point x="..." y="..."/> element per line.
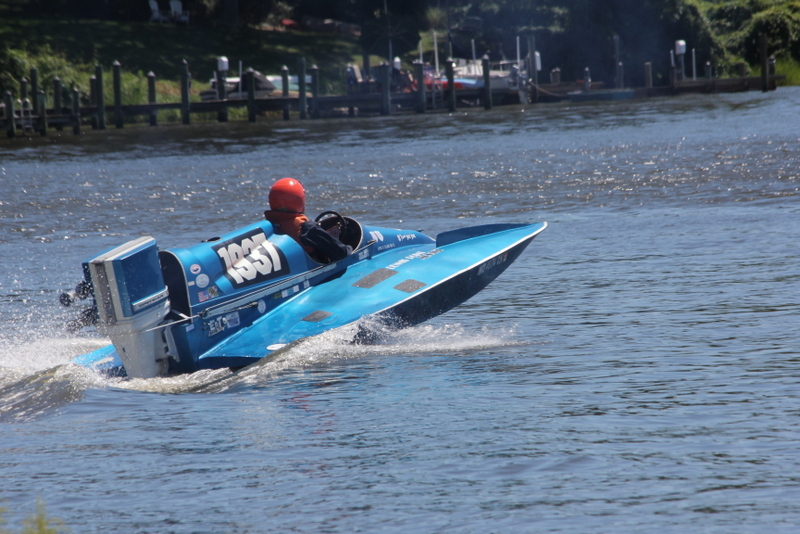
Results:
<point x="399" y="278"/>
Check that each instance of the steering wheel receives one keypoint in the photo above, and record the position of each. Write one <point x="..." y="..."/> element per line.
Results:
<point x="341" y="221"/>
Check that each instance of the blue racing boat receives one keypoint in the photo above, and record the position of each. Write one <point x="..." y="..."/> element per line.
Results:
<point x="232" y="300"/>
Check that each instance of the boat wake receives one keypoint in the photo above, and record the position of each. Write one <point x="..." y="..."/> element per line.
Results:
<point x="35" y="381"/>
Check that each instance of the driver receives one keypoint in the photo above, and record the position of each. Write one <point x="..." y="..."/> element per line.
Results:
<point x="287" y="202"/>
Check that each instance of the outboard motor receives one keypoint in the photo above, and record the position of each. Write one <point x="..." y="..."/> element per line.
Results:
<point x="131" y="300"/>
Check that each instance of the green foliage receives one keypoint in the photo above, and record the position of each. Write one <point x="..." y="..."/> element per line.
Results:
<point x="402" y="31"/>
<point x="37" y="523"/>
<point x="781" y="27"/>
<point x="570" y="34"/>
<point x="17" y="64"/>
<point x="791" y="69"/>
<point x="3" y="522"/>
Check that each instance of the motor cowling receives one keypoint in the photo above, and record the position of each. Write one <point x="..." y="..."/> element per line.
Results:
<point x="132" y="299"/>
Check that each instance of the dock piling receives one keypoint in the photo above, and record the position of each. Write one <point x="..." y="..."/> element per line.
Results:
<point x="34" y="78"/>
<point x="101" y="99"/>
<point x="117" y="74"/>
<point x="11" y="121"/>
<point x="151" y="97"/>
<point x="301" y="83"/>
<point x="285" y="87"/>
<point x="41" y="111"/>
<point x="419" y="75"/>
<point x="58" y="104"/>
<point x="250" y="82"/>
<point x="93" y="99"/>
<point x="314" y="92"/>
<point x="76" y="111"/>
<point x="762" y="45"/>
<point x="450" y="72"/>
<point x="386" y="86"/>
<point x="487" y="83"/>
<point x="222" y="94"/>
<point x="185" y="91"/>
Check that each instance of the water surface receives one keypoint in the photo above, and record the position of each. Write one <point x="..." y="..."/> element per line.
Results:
<point x="635" y="370"/>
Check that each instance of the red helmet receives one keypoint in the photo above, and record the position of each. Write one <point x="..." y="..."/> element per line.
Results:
<point x="287" y="194"/>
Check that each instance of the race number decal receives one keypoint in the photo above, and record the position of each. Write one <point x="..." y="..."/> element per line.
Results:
<point x="250" y="258"/>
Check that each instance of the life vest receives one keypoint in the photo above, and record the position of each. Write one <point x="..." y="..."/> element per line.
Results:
<point x="288" y="223"/>
<point x="317" y="243"/>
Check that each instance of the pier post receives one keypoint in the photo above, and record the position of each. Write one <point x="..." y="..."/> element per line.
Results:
<point x="76" y="111"/>
<point x="11" y="116"/>
<point x="419" y="75"/>
<point x="34" y="72"/>
<point x="41" y="110"/>
<point x="93" y="99"/>
<point x="487" y="83"/>
<point x="648" y="76"/>
<point x="386" y="95"/>
<point x="314" y="92"/>
<point x="101" y="99"/>
<point x="185" y="91"/>
<point x="530" y="62"/>
<point x="117" y="94"/>
<point x="58" y="105"/>
<point x="587" y="79"/>
<point x="771" y="70"/>
<point x="23" y="88"/>
<point x="450" y="71"/>
<point x="222" y="94"/>
<point x="301" y="85"/>
<point x="762" y="45"/>
<point x="250" y="79"/>
<point x="285" y="86"/>
<point x="151" y="97"/>
<point x="366" y="70"/>
<point x="57" y="96"/>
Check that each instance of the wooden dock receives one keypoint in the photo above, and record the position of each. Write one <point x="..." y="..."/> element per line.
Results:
<point x="31" y="114"/>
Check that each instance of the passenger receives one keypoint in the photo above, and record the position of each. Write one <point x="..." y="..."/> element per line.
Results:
<point x="287" y="204"/>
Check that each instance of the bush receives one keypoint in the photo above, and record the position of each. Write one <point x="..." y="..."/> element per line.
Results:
<point x="782" y="28"/>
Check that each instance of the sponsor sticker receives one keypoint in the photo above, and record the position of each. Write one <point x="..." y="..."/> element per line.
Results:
<point x="195" y="268"/>
<point x="202" y="281"/>
<point x="210" y="293"/>
<point x="215" y="326"/>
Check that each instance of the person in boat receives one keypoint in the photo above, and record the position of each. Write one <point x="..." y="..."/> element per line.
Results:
<point x="287" y="204"/>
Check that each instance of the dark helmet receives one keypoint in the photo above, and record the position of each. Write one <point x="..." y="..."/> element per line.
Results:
<point x="287" y="194"/>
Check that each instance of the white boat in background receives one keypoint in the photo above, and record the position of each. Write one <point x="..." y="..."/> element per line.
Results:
<point x="502" y="74"/>
<point x="294" y="84"/>
<point x="233" y="89"/>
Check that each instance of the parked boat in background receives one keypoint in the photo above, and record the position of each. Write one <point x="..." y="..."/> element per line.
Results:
<point x="502" y="74"/>
<point x="234" y="90"/>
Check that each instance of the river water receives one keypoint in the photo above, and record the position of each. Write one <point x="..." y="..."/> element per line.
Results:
<point x="636" y="370"/>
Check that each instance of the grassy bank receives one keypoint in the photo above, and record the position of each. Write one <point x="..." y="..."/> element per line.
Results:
<point x="74" y="47"/>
